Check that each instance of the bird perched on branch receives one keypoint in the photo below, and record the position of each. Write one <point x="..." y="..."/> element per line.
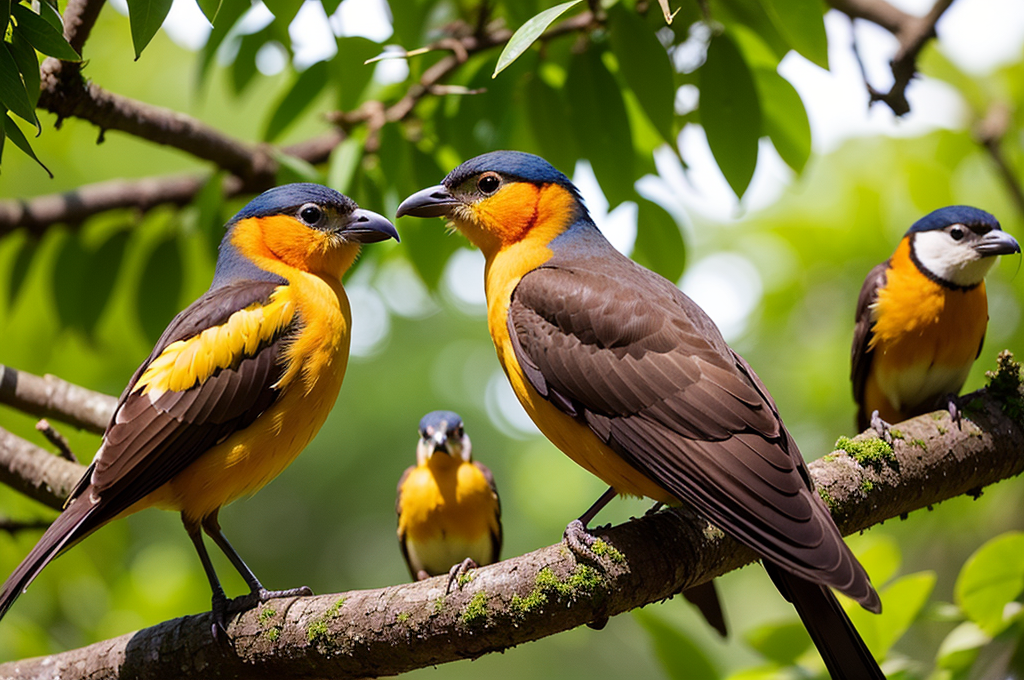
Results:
<point x="449" y="514"/>
<point x="236" y="386"/>
<point x="922" y="315"/>
<point x="633" y="381"/>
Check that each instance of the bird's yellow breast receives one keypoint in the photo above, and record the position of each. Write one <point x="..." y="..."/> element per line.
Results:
<point x="504" y="271"/>
<point x="925" y="335"/>
<point x="447" y="498"/>
<point x="315" y="365"/>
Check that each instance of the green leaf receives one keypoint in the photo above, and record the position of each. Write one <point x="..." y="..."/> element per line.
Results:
<point x="104" y="265"/>
<point x="28" y="65"/>
<point x="209" y="202"/>
<point x="5" y="15"/>
<point x="784" y="117"/>
<point x="210" y="9"/>
<point x="159" y="292"/>
<point x="230" y="12"/>
<point x="780" y="642"/>
<point x="659" y="242"/>
<point x="243" y="68"/>
<point x="13" y="94"/>
<point x="20" y="268"/>
<point x="802" y="24"/>
<point x="990" y="579"/>
<point x="528" y="34"/>
<point x="679" y="656"/>
<point x="70" y="270"/>
<point x="344" y="163"/>
<point x="902" y="602"/>
<point x="645" y="65"/>
<point x="14" y="133"/>
<point x="551" y="128"/>
<point x="42" y="35"/>
<point x="330" y="7"/>
<point x="601" y="125"/>
<point x="879" y="554"/>
<point x="291" y="169"/>
<point x="146" y="18"/>
<point x="349" y="72"/>
<point x="960" y="648"/>
<point x="51" y="15"/>
<point x="302" y="94"/>
<point x="284" y="10"/>
<point x="730" y="112"/>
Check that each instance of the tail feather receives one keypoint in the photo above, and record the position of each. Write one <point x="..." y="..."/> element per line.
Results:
<point x="840" y="645"/>
<point x="71" y="526"/>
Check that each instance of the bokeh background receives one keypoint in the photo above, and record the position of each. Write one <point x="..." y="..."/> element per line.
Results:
<point x="779" y="270"/>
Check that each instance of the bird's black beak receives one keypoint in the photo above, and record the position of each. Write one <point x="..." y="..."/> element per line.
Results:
<point x="430" y="202"/>
<point x="366" y="226"/>
<point x="997" y="242"/>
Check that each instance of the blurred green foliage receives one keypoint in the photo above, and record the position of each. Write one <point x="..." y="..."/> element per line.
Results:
<point x="87" y="303"/>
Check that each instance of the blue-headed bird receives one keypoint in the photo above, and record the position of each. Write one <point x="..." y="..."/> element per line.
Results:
<point x="236" y="386"/>
<point x="449" y="514"/>
<point x="632" y="380"/>
<point x="922" y="315"/>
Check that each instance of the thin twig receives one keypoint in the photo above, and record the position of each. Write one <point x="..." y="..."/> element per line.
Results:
<point x="57" y="439"/>
<point x="990" y="133"/>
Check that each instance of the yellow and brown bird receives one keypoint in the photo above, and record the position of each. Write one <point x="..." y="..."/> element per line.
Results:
<point x="449" y="514"/>
<point x="633" y="381"/>
<point x="922" y="315"/>
<point x="236" y="386"/>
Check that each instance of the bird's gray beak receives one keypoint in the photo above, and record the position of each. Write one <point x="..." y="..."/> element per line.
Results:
<point x="430" y="202"/>
<point x="440" y="441"/>
<point x="366" y="226"/>
<point x="997" y="242"/>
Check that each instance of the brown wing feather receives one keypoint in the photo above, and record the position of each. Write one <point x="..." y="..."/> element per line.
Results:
<point x="150" y="441"/>
<point x="624" y="351"/>
<point x="860" y="354"/>
<point x="497" y="538"/>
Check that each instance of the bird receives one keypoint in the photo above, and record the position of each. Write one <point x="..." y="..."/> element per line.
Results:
<point x="449" y="513"/>
<point x="922" y="314"/>
<point x="235" y="388"/>
<point x="634" y="382"/>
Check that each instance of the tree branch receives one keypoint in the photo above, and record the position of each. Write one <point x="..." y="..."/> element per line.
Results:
<point x="392" y="630"/>
<point x="912" y="33"/>
<point x="66" y="94"/>
<point x="51" y="397"/>
<point x="990" y="132"/>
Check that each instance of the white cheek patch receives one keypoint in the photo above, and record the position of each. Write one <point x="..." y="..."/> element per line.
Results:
<point x="954" y="261"/>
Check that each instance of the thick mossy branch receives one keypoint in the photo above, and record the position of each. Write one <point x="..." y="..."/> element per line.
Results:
<point x="400" y="628"/>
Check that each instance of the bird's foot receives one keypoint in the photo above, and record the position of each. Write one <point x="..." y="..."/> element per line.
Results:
<point x="654" y="509"/>
<point x="881" y="427"/>
<point x="580" y="540"/>
<point x="955" y="414"/>
<point x="460" y="573"/>
<point x="219" y="628"/>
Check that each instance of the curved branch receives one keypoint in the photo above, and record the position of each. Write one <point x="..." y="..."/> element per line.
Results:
<point x="392" y="630"/>
<point x="911" y="31"/>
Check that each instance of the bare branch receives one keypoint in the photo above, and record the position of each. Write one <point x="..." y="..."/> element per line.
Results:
<point x="989" y="133"/>
<point x="51" y="397"/>
<point x="35" y="472"/>
<point x="912" y="32"/>
<point x="392" y="630"/>
<point x="79" y="18"/>
<point x="14" y="526"/>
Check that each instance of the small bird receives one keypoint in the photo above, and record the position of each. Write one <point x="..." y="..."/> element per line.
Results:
<point x="922" y="315"/>
<point x="633" y="381"/>
<point x="449" y="514"/>
<point x="236" y="386"/>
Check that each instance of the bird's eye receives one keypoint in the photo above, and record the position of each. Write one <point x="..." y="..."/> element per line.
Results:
<point x="310" y="214"/>
<point x="956" y="233"/>
<point x="488" y="183"/>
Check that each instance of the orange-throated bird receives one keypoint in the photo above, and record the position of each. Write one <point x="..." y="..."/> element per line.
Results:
<point x="236" y="386"/>
<point x="633" y="381"/>
<point x="922" y="315"/>
<point x="449" y="515"/>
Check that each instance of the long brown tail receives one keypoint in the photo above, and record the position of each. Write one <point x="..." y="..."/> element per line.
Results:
<point x="840" y="645"/>
<point x="71" y="526"/>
